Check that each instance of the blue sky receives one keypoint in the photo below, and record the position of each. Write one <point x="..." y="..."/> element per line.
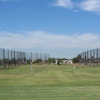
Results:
<point x="62" y="28"/>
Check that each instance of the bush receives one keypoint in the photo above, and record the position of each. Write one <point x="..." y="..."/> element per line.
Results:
<point x="29" y="61"/>
<point x="77" y="59"/>
<point x="38" y="61"/>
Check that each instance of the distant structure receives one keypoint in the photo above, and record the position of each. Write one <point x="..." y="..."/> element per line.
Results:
<point x="70" y="61"/>
<point x="11" y="58"/>
<point x="64" y="61"/>
<point x="90" y="57"/>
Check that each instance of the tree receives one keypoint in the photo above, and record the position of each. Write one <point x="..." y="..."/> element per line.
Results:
<point x="51" y="60"/>
<point x="76" y="59"/>
<point x="58" y="62"/>
<point x="29" y="61"/>
<point x="38" y="61"/>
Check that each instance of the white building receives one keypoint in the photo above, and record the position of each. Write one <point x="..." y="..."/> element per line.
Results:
<point x="64" y="61"/>
<point x="69" y="61"/>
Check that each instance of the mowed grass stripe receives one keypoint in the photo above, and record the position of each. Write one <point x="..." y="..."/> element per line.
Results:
<point x="53" y="93"/>
<point x="50" y="82"/>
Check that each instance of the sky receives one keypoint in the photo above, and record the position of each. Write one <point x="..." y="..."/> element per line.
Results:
<point x="61" y="28"/>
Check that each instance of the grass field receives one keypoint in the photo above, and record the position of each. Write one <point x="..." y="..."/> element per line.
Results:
<point x="50" y="82"/>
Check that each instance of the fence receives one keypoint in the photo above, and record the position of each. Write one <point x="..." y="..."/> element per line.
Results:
<point x="90" y="57"/>
<point x="11" y="58"/>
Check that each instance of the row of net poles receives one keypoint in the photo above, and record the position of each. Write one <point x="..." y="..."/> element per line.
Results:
<point x="37" y="56"/>
<point x="83" y="58"/>
<point x="17" y="58"/>
<point x="40" y="56"/>
<point x="87" y="57"/>
<point x="14" y="59"/>
<point x="94" y="57"/>
<point x="97" y="57"/>
<point x="11" y="58"/>
<point x="4" y="58"/>
<point x="96" y="60"/>
<point x="90" y="57"/>
<point x="8" y="58"/>
<point x="22" y="57"/>
<point x="25" y="57"/>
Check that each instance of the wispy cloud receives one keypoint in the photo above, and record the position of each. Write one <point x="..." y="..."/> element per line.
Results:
<point x="63" y="3"/>
<point x="90" y="5"/>
<point x="42" y="39"/>
<point x="85" y="5"/>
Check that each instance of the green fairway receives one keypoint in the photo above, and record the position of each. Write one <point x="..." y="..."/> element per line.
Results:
<point x="50" y="82"/>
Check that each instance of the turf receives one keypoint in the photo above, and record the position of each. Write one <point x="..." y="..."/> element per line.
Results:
<point x="50" y="82"/>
